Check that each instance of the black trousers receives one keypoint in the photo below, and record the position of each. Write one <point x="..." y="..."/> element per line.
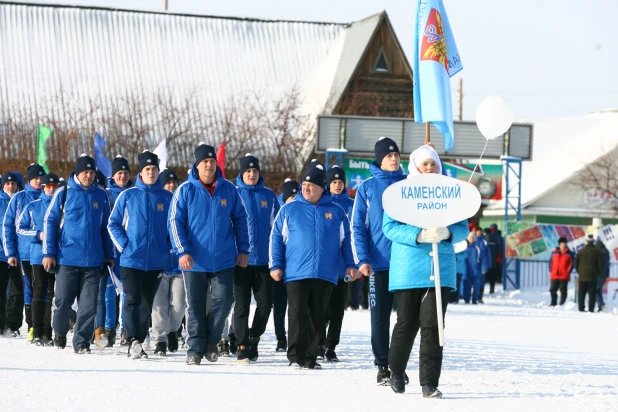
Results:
<point x="307" y="300"/>
<point x="138" y="285"/>
<point x="42" y="297"/>
<point x="333" y="316"/>
<point x="589" y="288"/>
<point x="556" y="285"/>
<point x="491" y="277"/>
<point x="258" y="280"/>
<point x="416" y="308"/>
<point x="280" y="300"/>
<point x="11" y="308"/>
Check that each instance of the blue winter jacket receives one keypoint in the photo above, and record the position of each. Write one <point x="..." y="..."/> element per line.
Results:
<point x="346" y="204"/>
<point x="411" y="264"/>
<point x="83" y="239"/>
<point x="14" y="246"/>
<point x="262" y="208"/>
<point x="4" y="204"/>
<point x="213" y="229"/>
<point x="482" y="243"/>
<point x="307" y="240"/>
<point x="138" y="226"/>
<point x="369" y="244"/>
<point x="461" y="261"/>
<point x="476" y="261"/>
<point x="31" y="226"/>
<point x="114" y="190"/>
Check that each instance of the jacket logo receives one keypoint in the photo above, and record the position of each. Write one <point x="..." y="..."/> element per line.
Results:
<point x="160" y="207"/>
<point x="95" y="205"/>
<point x="264" y="203"/>
<point x="223" y="202"/>
<point x="328" y="216"/>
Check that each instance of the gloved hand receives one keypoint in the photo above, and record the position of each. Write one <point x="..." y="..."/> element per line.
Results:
<point x="433" y="235"/>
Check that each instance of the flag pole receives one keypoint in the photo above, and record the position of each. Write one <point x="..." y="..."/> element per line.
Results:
<point x="436" y="272"/>
<point x="427" y="133"/>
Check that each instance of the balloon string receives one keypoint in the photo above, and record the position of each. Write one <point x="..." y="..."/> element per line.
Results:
<point x="478" y="162"/>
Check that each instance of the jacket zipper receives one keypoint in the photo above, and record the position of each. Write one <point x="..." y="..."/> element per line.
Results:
<point x="148" y="225"/>
<point x="315" y="251"/>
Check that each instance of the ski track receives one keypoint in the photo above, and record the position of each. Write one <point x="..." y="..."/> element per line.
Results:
<point x="512" y="354"/>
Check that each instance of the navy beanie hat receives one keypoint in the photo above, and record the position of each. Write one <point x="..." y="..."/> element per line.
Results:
<point x="203" y="152"/>
<point x="120" y="164"/>
<point x="7" y="178"/>
<point x="168" y="175"/>
<point x="249" y="162"/>
<point x="335" y="173"/>
<point x="50" y="179"/>
<point x="383" y="147"/>
<point x="85" y="162"/>
<point x="35" y="170"/>
<point x="147" y="158"/>
<point x="316" y="176"/>
<point x="289" y="189"/>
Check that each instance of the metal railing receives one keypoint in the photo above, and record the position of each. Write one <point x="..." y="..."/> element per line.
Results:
<point x="535" y="273"/>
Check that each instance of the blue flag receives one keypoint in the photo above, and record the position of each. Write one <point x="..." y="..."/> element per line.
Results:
<point x="103" y="163"/>
<point x="436" y="59"/>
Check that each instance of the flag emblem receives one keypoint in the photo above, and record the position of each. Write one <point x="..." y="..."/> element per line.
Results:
<point x="95" y="205"/>
<point x="223" y="202"/>
<point x="264" y="203"/>
<point x="328" y="216"/>
<point x="160" y="207"/>
<point x="433" y="44"/>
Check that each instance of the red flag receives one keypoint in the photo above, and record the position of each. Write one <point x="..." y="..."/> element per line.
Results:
<point x="221" y="158"/>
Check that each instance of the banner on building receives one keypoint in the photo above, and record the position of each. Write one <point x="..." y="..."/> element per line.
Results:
<point x="537" y="241"/>
<point x="487" y="178"/>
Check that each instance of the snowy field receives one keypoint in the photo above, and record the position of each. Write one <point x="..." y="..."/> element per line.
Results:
<point x="512" y="354"/>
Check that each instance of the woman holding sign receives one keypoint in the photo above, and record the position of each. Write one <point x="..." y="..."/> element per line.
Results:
<point x="412" y="280"/>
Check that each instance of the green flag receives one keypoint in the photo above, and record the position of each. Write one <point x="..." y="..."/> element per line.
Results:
<point x="42" y="136"/>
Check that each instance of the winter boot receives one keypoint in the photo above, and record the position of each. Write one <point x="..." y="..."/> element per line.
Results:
<point x="430" y="391"/>
<point x="311" y="364"/>
<point x="47" y="341"/>
<point x="123" y="338"/>
<point x="242" y="356"/>
<point x="193" y="360"/>
<point x="60" y="342"/>
<point x="282" y="346"/>
<point x="224" y="349"/>
<point x="161" y="349"/>
<point x="321" y="352"/>
<point x="37" y="341"/>
<point x="100" y="340"/>
<point x="398" y="383"/>
<point x="82" y="350"/>
<point x="15" y="333"/>
<point x="212" y="354"/>
<point x="384" y="376"/>
<point x="233" y="345"/>
<point x="172" y="342"/>
<point x="253" y="349"/>
<point x="135" y="349"/>
<point x="331" y="356"/>
<point x="72" y="324"/>
<point x="111" y="337"/>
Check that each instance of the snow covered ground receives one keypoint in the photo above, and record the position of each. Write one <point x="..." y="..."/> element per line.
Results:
<point x="512" y="354"/>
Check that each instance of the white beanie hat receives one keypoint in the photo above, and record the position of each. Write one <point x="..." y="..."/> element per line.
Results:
<point x="422" y="153"/>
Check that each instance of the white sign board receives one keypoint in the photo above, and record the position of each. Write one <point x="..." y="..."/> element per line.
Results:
<point x="431" y="200"/>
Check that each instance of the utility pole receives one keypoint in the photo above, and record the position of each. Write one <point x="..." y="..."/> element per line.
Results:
<point x="460" y="99"/>
<point x="165" y="5"/>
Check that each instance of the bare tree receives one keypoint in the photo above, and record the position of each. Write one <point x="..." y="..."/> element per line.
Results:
<point x="598" y="181"/>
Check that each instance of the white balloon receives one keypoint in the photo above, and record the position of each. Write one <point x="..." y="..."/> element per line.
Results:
<point x="494" y="117"/>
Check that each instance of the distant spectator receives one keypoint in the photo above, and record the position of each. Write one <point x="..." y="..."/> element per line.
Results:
<point x="476" y="264"/>
<point x="494" y="252"/>
<point x="604" y="274"/>
<point x="589" y="266"/>
<point x="560" y="267"/>
<point x="500" y="241"/>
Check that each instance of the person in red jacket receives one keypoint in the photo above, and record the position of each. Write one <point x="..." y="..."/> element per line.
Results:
<point x="560" y="267"/>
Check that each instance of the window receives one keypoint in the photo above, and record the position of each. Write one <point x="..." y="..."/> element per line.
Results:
<point x="381" y="65"/>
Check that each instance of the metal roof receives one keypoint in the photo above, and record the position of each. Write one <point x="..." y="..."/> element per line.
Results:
<point x="87" y="54"/>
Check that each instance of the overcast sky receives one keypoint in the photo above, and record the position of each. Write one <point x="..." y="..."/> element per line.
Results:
<point x="546" y="57"/>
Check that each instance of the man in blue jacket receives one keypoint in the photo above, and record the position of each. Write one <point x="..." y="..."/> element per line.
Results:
<point x="372" y="250"/>
<point x="31" y="229"/>
<point x="209" y="230"/>
<point x="309" y="236"/>
<point x="335" y="181"/>
<point x="18" y="250"/>
<point x="138" y="228"/>
<point x="76" y="237"/>
<point x="11" y="309"/>
<point x="262" y="208"/>
<point x="108" y="313"/>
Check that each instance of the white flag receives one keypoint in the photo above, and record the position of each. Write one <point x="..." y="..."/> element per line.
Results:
<point x="161" y="152"/>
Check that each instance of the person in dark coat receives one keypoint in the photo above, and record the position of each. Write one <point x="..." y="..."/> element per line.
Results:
<point x="604" y="274"/>
<point x="560" y="268"/>
<point x="589" y="266"/>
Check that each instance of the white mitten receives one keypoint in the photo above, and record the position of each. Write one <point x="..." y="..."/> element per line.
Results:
<point x="443" y="233"/>
<point x="428" y="236"/>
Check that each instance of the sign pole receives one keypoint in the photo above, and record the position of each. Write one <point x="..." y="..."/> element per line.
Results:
<point x="427" y="133"/>
<point x="436" y="271"/>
